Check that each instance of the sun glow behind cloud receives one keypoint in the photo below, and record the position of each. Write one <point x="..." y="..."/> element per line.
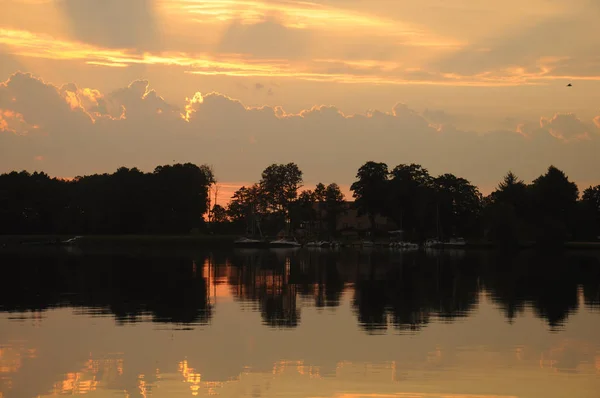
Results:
<point x="304" y="15"/>
<point x="27" y="44"/>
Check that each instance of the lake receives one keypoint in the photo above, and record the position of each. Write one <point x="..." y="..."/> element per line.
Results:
<point x="304" y="323"/>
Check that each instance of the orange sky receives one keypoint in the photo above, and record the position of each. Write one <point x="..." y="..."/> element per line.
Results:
<point x="469" y="88"/>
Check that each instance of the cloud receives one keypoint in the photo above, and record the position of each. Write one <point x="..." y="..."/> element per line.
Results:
<point x="14" y="123"/>
<point x="265" y="39"/>
<point x="438" y="116"/>
<point x="80" y="130"/>
<point x="307" y="15"/>
<point x="567" y="127"/>
<point x="558" y="45"/>
<point x="564" y="127"/>
<point x="120" y="24"/>
<point x="22" y="43"/>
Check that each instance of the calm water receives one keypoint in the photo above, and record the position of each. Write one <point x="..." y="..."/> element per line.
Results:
<point x="299" y="324"/>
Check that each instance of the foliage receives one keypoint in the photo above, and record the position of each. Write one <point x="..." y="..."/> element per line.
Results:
<point x="335" y="206"/>
<point x="279" y="185"/>
<point x="172" y="199"/>
<point x="553" y="206"/>
<point x="370" y="189"/>
<point x="219" y="214"/>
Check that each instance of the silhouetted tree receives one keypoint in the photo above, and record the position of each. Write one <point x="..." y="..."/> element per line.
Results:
<point x="410" y="198"/>
<point x="172" y="199"/>
<point x="554" y="200"/>
<point x="591" y="208"/>
<point x="334" y="207"/>
<point x="279" y="185"/>
<point x="219" y="214"/>
<point x="303" y="209"/>
<point x="459" y="203"/>
<point x="370" y="189"/>
<point x="507" y="211"/>
<point x="246" y="207"/>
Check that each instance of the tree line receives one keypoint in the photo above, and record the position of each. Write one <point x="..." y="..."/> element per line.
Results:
<point x="173" y="199"/>
<point x="276" y="203"/>
<point x="548" y="211"/>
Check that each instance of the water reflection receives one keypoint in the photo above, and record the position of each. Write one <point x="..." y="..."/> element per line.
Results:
<point x="131" y="288"/>
<point x="301" y="323"/>
<point x="403" y="291"/>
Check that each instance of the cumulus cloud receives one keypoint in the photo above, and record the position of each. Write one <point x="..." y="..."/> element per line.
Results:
<point x="81" y="130"/>
<point x="565" y="127"/>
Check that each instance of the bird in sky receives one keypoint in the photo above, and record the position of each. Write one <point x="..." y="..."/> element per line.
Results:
<point x="569" y="85"/>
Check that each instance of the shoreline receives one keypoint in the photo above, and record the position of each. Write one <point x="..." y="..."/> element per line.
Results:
<point x="204" y="241"/>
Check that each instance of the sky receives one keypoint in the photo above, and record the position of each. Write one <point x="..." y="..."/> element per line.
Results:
<point x="470" y="87"/>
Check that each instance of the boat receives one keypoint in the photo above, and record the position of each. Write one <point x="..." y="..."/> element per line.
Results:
<point x="70" y="241"/>
<point x="432" y="243"/>
<point x="285" y="242"/>
<point x="250" y="242"/>
<point x="320" y="244"/>
<point x="456" y="242"/>
<point x="404" y="245"/>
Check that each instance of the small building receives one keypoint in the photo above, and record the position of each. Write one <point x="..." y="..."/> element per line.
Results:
<point x="349" y="223"/>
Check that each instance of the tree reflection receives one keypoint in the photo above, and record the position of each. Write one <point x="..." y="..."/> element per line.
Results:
<point x="168" y="289"/>
<point x="389" y="291"/>
<point x="414" y="290"/>
<point x="546" y="282"/>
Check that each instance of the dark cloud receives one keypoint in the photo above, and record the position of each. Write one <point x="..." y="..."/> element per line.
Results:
<point x="80" y="132"/>
<point x="127" y="24"/>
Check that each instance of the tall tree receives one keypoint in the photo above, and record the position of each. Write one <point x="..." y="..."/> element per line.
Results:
<point x="303" y="209"/>
<point x="334" y="206"/>
<point x="280" y="184"/>
<point x="507" y="211"/>
<point x="591" y="207"/>
<point x="459" y="205"/>
<point x="245" y="203"/>
<point x="370" y="189"/>
<point x="219" y="214"/>
<point x="409" y="197"/>
<point x="320" y="198"/>
<point x="554" y="201"/>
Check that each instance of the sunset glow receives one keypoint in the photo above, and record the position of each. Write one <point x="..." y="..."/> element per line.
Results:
<point x="391" y="81"/>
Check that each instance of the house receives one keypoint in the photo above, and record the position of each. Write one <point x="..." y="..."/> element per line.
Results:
<point x="349" y="222"/>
